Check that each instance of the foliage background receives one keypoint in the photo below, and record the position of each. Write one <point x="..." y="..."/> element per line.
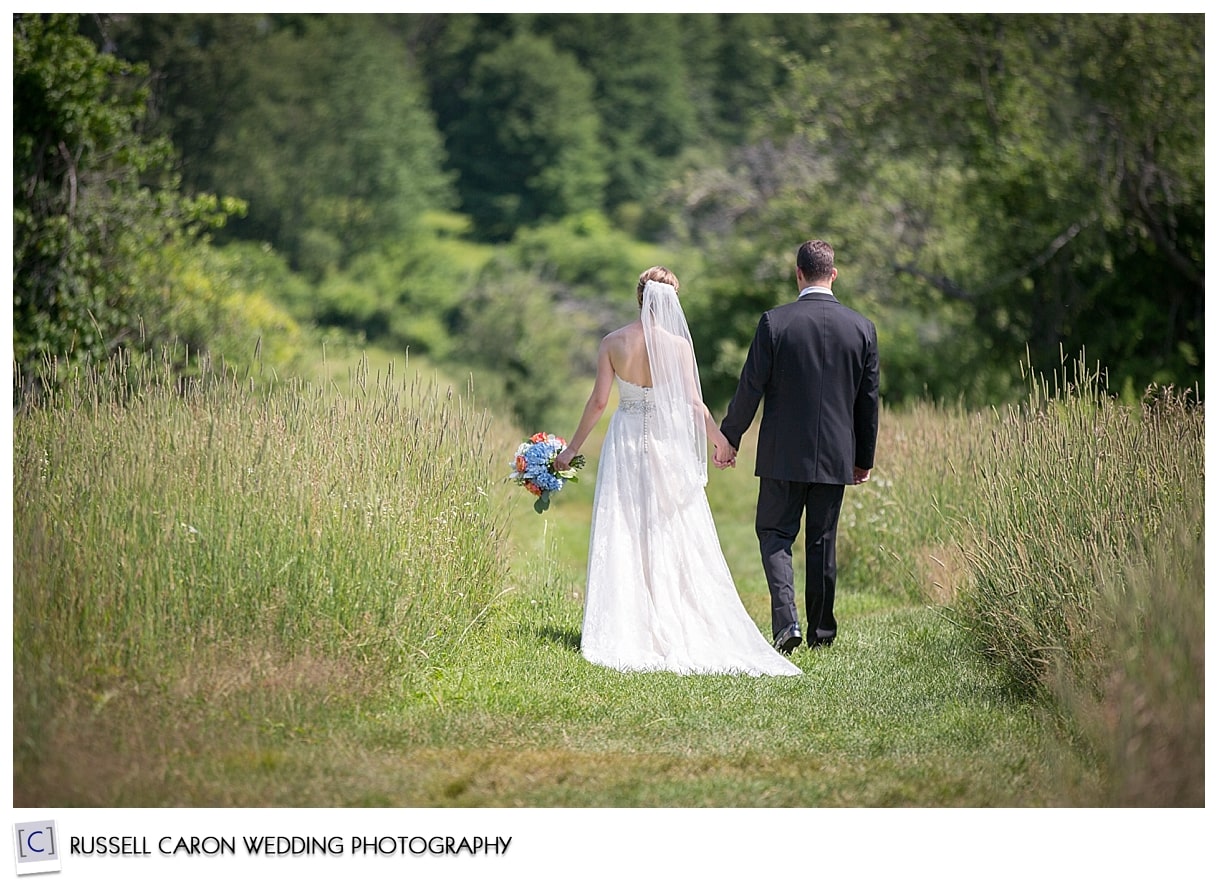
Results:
<point x="998" y="187"/>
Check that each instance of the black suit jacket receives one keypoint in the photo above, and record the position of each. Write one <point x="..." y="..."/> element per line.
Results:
<point x="816" y="364"/>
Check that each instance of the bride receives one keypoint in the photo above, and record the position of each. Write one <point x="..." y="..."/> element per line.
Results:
<point x="659" y="595"/>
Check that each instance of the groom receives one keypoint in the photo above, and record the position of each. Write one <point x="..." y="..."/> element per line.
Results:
<point x="816" y="364"/>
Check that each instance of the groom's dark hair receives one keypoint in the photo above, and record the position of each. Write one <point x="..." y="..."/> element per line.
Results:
<point x="815" y="260"/>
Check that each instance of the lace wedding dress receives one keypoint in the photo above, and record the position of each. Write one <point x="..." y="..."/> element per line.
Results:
<point x="660" y="596"/>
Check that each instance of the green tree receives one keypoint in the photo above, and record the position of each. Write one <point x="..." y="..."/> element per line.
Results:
<point x="994" y="185"/>
<point x="198" y="76"/>
<point x="333" y="145"/>
<point x="94" y="202"/>
<point x="319" y="121"/>
<point x="1078" y="141"/>
<point x="744" y="70"/>
<point x="640" y="93"/>
<point x="528" y="145"/>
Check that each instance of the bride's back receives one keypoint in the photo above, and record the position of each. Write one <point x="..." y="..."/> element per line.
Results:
<point x="628" y="354"/>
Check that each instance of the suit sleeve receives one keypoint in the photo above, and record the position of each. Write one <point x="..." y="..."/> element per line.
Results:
<point x="867" y="406"/>
<point x="751" y="387"/>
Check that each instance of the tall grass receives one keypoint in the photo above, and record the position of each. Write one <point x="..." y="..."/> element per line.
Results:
<point x="158" y="519"/>
<point x="1064" y="535"/>
<point x="1147" y="716"/>
<point x="1086" y="547"/>
<point x="1076" y="486"/>
<point x="898" y="531"/>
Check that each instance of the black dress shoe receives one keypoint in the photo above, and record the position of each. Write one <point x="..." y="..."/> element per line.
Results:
<point x="818" y="640"/>
<point x="788" y="638"/>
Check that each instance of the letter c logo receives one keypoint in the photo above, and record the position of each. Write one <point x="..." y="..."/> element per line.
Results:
<point x="29" y="841"/>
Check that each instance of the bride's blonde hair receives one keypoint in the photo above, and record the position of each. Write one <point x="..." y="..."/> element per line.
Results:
<point x="656" y="274"/>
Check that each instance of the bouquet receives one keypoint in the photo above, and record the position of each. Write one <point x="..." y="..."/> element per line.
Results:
<point x="534" y="468"/>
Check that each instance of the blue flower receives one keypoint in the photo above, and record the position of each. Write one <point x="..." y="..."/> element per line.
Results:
<point x="533" y="467"/>
<point x="539" y="455"/>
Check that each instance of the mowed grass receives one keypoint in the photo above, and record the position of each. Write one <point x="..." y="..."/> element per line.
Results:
<point x="899" y="713"/>
<point x="484" y="700"/>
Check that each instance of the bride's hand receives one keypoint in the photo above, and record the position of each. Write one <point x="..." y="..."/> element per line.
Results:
<point x="562" y="462"/>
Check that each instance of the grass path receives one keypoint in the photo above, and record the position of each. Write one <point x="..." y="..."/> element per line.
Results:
<point x="896" y="713"/>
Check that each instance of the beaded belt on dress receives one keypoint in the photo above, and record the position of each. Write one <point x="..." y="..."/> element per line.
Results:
<point x="636" y="405"/>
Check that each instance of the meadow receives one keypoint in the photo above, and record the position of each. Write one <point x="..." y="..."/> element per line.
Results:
<point x="244" y="590"/>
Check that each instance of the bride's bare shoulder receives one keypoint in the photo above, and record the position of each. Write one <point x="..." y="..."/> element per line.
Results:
<point x="635" y="327"/>
<point x="625" y="334"/>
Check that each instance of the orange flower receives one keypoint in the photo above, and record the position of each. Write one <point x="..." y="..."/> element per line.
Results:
<point x="532" y="488"/>
<point x="540" y="436"/>
<point x="520" y="464"/>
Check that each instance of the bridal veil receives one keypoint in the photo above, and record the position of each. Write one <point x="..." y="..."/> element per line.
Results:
<point x="677" y="436"/>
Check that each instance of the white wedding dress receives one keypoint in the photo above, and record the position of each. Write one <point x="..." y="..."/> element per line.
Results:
<point x="660" y="596"/>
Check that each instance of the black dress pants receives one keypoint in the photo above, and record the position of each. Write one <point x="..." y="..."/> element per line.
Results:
<point x="780" y="507"/>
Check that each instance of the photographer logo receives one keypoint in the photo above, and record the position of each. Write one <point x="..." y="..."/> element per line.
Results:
<point x="36" y="847"/>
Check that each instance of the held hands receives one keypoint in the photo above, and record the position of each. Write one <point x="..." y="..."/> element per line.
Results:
<point x="725" y="455"/>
